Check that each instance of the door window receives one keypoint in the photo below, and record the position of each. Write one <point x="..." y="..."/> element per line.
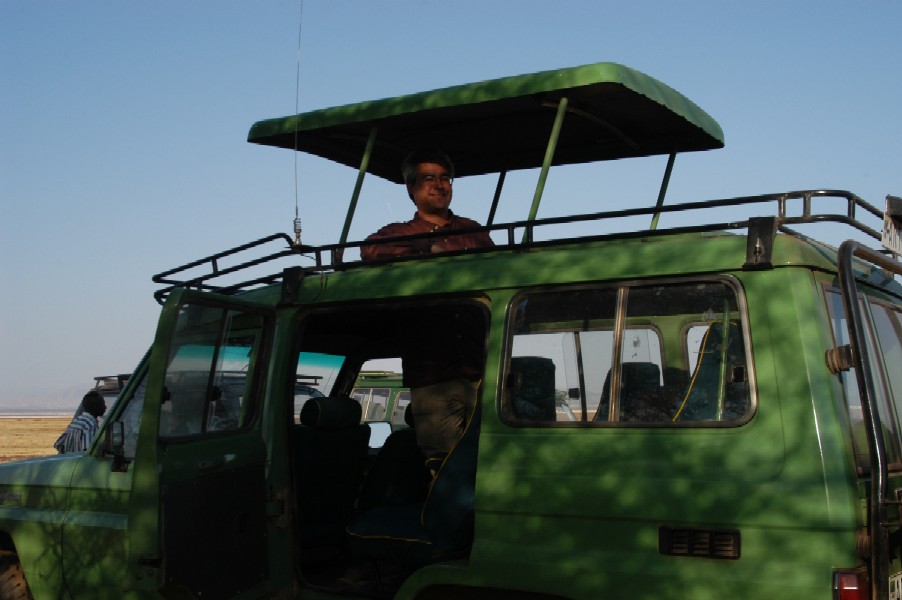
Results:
<point x="209" y="386"/>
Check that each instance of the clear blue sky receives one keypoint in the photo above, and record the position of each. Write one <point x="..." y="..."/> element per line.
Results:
<point x="123" y="128"/>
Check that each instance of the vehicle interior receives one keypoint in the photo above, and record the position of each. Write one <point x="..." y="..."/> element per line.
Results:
<point x="358" y="508"/>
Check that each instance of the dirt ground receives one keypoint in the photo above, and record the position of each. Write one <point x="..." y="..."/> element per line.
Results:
<point x="24" y="437"/>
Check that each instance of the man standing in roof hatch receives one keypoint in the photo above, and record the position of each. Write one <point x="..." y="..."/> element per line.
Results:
<point x="429" y="176"/>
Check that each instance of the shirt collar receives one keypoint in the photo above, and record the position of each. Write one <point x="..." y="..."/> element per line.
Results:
<point x="451" y="217"/>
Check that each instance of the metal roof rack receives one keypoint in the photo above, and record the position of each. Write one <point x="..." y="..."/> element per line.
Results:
<point x="518" y="236"/>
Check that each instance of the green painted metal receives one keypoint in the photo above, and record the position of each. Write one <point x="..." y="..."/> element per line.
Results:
<point x="496" y="197"/>
<point x="352" y="207"/>
<point x="663" y="191"/>
<point x="502" y="124"/>
<point x="549" y="157"/>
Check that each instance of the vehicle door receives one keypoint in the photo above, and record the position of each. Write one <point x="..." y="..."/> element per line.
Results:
<point x="868" y="330"/>
<point x="197" y="520"/>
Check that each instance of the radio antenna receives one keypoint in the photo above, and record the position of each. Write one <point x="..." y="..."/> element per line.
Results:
<point x="297" y="94"/>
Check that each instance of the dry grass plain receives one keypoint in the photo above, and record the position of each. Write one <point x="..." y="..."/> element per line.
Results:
<point x="25" y="437"/>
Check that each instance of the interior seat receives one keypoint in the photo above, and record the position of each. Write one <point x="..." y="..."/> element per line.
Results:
<point x="531" y="388"/>
<point x="331" y="451"/>
<point x="641" y="397"/>
<point x="415" y="534"/>
<point x="398" y="475"/>
<point x="721" y="363"/>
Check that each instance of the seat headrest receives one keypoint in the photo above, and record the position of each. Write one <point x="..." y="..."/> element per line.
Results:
<point x="531" y="387"/>
<point x="640" y="373"/>
<point x="331" y="412"/>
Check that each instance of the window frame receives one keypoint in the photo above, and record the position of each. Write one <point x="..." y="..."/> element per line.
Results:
<point x="892" y="407"/>
<point x="258" y="363"/>
<point x="730" y="282"/>
<point x="345" y="380"/>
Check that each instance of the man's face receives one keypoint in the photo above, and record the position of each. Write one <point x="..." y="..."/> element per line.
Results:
<point x="431" y="191"/>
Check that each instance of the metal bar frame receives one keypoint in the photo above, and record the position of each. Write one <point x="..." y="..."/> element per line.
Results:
<point x="665" y="182"/>
<point x="879" y="475"/>
<point x="549" y="157"/>
<point x="358" y="185"/>
<point x="329" y="257"/>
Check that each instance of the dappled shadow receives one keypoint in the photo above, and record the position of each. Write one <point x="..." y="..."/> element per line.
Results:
<point x="580" y="510"/>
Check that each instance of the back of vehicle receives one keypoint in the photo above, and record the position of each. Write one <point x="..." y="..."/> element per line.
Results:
<point x="865" y="310"/>
<point x="680" y="455"/>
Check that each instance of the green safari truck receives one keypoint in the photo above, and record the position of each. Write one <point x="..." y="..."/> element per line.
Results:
<point x="382" y="395"/>
<point x="698" y="400"/>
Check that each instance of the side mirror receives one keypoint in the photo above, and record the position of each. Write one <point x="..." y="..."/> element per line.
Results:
<point x="114" y="445"/>
<point x="379" y="432"/>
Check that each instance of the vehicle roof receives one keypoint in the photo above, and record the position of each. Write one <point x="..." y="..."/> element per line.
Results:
<point x="504" y="124"/>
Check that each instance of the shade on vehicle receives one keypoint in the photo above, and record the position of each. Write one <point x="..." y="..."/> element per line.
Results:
<point x="503" y="124"/>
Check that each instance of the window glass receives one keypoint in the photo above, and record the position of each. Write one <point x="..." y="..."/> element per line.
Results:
<point x="130" y="417"/>
<point x="374" y="404"/>
<point x="401" y="402"/>
<point x="628" y="354"/>
<point x="209" y="379"/>
<point x="849" y="379"/>
<point x="888" y="326"/>
<point x="361" y="395"/>
<point x="694" y="337"/>
<point x="881" y="391"/>
<point x="316" y="375"/>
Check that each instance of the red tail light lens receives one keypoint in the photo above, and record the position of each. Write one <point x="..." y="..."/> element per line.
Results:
<point x="851" y="585"/>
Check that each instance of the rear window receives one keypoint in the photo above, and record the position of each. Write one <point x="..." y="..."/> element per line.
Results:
<point x="884" y="344"/>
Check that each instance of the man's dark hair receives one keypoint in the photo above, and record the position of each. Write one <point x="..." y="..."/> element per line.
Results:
<point x="94" y="403"/>
<point x="424" y="155"/>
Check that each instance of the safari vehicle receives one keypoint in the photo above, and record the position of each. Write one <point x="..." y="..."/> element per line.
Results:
<point x="382" y="395"/>
<point x="110" y="385"/>
<point x="709" y="409"/>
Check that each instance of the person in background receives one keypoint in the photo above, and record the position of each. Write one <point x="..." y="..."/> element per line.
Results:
<point x="81" y="431"/>
<point x="429" y="176"/>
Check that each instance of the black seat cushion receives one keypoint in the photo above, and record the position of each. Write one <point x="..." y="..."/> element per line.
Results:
<point x="331" y="450"/>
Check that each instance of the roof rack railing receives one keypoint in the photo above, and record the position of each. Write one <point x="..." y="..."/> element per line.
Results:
<point x="199" y="281"/>
<point x="519" y="236"/>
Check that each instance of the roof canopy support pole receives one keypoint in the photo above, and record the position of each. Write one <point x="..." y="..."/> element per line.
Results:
<point x="496" y="198"/>
<point x="549" y="156"/>
<point x="664" y="183"/>
<point x="364" y="163"/>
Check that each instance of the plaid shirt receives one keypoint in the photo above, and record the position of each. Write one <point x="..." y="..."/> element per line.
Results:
<point x="445" y="235"/>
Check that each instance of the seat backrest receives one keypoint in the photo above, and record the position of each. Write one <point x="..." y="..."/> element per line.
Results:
<point x="531" y="388"/>
<point x="701" y="401"/>
<point x="331" y="450"/>
<point x="448" y="512"/>
<point x="640" y="394"/>
<point x="398" y="474"/>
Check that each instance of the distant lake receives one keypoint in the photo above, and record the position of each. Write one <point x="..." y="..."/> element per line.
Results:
<point x="35" y="412"/>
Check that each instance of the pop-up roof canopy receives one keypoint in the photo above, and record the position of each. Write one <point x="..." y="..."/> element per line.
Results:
<point x="611" y="112"/>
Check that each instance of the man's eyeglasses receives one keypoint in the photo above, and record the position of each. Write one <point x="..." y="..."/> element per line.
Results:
<point x="430" y="178"/>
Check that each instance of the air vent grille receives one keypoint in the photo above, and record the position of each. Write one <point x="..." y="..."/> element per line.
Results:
<point x="699" y="543"/>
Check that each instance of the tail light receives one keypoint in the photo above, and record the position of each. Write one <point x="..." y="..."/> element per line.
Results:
<point x="851" y="584"/>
